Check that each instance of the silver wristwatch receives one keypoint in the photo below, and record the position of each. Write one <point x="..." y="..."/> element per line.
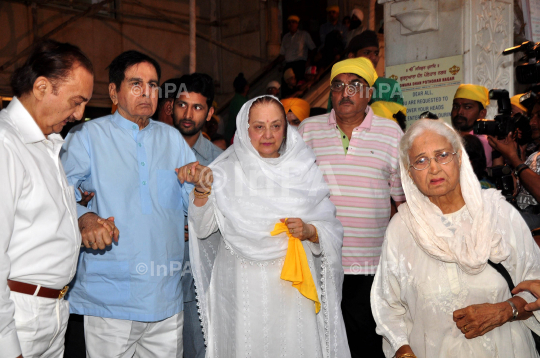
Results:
<point x="515" y="312"/>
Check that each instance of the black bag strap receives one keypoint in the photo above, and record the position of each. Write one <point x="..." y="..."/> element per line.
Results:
<point x="502" y="270"/>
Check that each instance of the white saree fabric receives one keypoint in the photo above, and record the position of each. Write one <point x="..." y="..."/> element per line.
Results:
<point x="246" y="309"/>
<point x="434" y="264"/>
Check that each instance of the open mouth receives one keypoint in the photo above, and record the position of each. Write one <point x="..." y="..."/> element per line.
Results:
<point x="436" y="181"/>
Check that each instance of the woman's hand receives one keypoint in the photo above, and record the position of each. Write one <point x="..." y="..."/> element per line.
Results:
<point x="197" y="174"/>
<point x="477" y="320"/>
<point x="301" y="230"/>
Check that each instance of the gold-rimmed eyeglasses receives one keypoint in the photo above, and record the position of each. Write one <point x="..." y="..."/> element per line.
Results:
<point x="441" y="158"/>
<point x="352" y="88"/>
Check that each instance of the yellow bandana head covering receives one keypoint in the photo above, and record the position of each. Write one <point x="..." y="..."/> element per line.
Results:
<point x="293" y="18"/>
<point x="387" y="109"/>
<point x="360" y="66"/>
<point x="474" y="93"/>
<point x="515" y="102"/>
<point x="298" y="106"/>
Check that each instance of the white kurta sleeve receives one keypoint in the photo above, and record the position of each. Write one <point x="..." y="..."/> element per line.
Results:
<point x="203" y="218"/>
<point x="11" y="183"/>
<point x="389" y="311"/>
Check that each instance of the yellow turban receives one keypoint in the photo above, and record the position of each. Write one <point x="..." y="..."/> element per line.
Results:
<point x="293" y="18"/>
<point x="332" y="8"/>
<point x="474" y="93"/>
<point x="298" y="106"/>
<point x="515" y="102"/>
<point x="387" y="109"/>
<point x="360" y="66"/>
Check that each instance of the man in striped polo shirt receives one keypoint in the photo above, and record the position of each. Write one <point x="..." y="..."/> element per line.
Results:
<point x="358" y="153"/>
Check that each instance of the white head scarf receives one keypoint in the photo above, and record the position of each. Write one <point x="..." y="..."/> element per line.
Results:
<point x="439" y="238"/>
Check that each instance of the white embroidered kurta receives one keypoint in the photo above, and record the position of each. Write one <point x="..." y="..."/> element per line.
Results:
<point x="256" y="314"/>
<point x="414" y="295"/>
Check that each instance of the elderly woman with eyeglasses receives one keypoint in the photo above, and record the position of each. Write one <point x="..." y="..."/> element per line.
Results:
<point x="435" y="293"/>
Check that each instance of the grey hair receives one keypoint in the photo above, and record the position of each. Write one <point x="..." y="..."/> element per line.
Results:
<point x="437" y="126"/>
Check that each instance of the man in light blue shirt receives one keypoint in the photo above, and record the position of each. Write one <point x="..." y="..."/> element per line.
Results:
<point x="130" y="292"/>
<point x="192" y="108"/>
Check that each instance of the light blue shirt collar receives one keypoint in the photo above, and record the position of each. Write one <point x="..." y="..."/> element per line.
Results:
<point x="122" y="122"/>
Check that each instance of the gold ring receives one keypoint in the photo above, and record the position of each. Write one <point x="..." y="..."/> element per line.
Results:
<point x="292" y="231"/>
<point x="465" y="328"/>
<point x="189" y="172"/>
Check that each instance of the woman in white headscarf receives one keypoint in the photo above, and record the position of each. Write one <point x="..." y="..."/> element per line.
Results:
<point x="435" y="294"/>
<point x="267" y="175"/>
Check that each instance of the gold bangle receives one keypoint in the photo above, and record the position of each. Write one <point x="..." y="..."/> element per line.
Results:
<point x="316" y="240"/>
<point x="200" y="195"/>
<point x="407" y="355"/>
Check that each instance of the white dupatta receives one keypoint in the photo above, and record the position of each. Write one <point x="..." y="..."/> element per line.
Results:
<point x="250" y="195"/>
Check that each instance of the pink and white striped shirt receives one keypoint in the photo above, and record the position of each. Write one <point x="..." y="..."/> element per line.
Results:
<point x="361" y="182"/>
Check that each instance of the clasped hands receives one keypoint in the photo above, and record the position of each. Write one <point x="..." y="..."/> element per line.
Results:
<point x="96" y="232"/>
<point x="198" y="175"/>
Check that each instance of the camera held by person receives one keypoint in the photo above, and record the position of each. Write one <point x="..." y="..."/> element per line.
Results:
<point x="526" y="172"/>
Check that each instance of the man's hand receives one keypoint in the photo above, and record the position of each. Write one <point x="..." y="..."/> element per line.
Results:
<point x="507" y="147"/>
<point x="533" y="287"/>
<point x="86" y="197"/>
<point x="96" y="232"/>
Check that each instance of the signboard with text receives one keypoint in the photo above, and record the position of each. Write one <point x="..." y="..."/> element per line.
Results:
<point x="428" y="85"/>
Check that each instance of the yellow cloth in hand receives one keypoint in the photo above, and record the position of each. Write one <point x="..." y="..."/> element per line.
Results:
<point x="296" y="268"/>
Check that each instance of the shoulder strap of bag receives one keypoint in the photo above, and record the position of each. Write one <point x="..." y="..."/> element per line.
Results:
<point x="502" y="270"/>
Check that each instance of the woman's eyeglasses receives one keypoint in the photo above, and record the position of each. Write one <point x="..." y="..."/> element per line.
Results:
<point x="441" y="158"/>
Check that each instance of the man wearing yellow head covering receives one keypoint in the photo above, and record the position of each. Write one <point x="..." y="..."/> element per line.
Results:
<point x="296" y="109"/>
<point x="333" y="24"/>
<point x="517" y="107"/>
<point x="358" y="152"/>
<point x="469" y="105"/>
